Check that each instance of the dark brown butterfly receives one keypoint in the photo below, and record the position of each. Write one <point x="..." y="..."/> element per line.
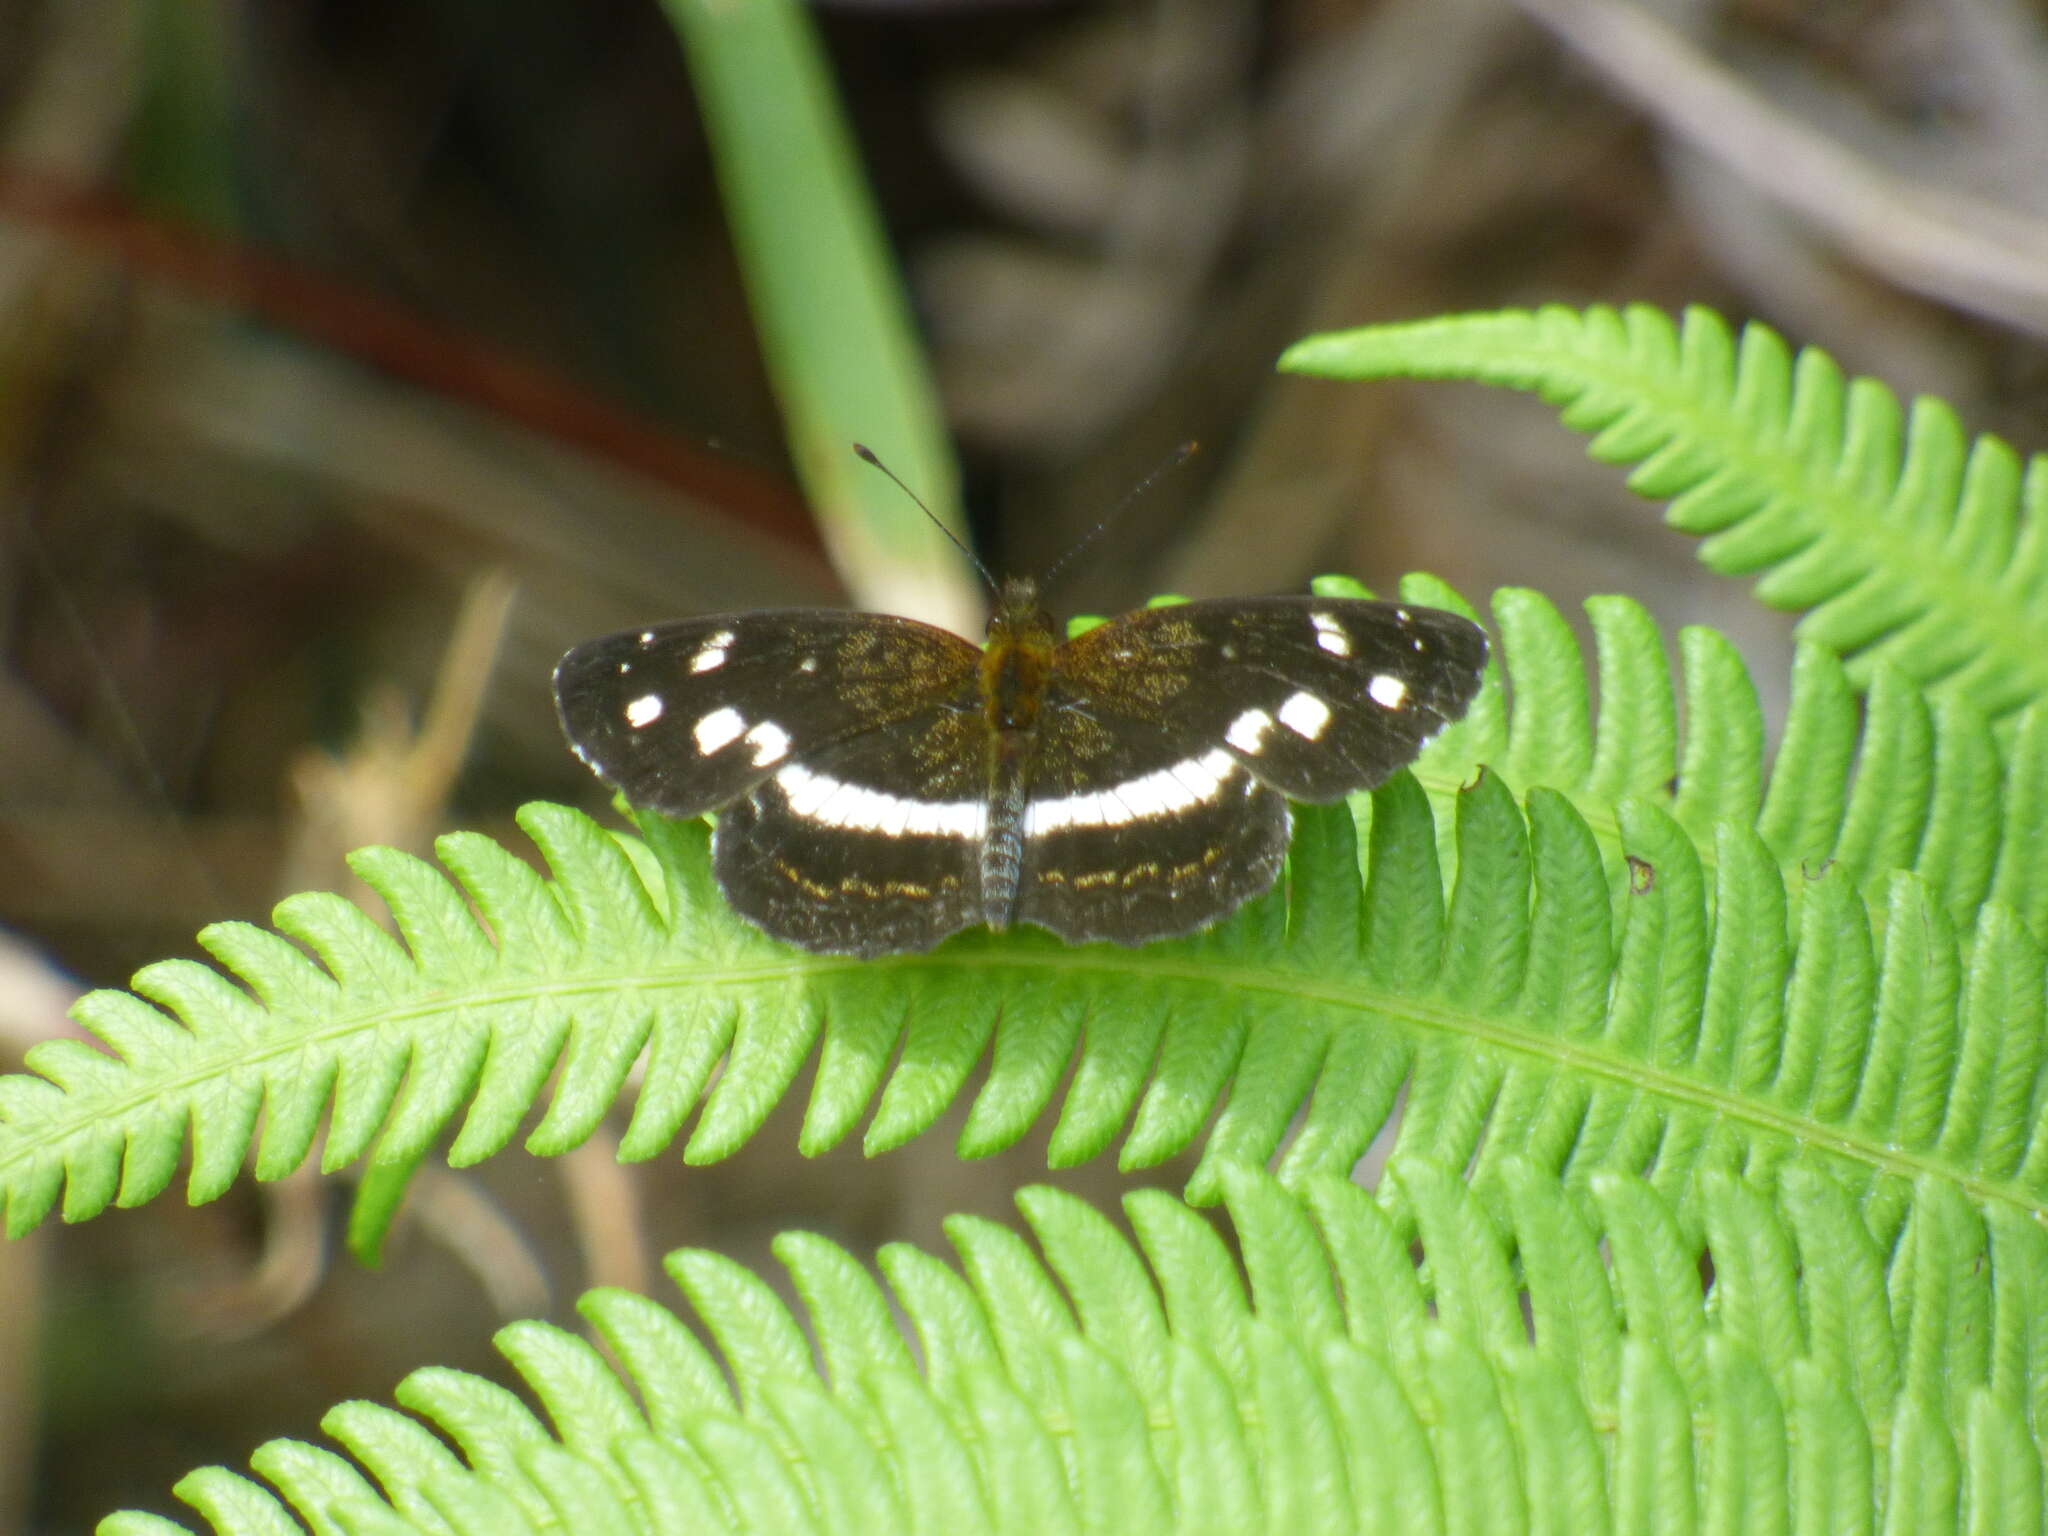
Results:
<point x="881" y="783"/>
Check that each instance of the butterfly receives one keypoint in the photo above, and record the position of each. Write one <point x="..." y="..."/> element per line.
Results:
<point x="880" y="784"/>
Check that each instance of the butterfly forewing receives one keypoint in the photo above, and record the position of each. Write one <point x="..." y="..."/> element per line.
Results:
<point x="686" y="717"/>
<point x="1317" y="697"/>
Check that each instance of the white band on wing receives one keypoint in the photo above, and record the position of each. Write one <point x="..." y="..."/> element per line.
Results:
<point x="833" y="802"/>
<point x="1164" y="793"/>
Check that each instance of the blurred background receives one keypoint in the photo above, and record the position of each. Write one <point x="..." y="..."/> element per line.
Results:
<point x="359" y="356"/>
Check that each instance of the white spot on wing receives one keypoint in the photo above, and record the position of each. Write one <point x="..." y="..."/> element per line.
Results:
<point x="644" y="710"/>
<point x="834" y="803"/>
<point x="1330" y="634"/>
<point x="720" y="728"/>
<point x="1248" y="731"/>
<point x="771" y="743"/>
<point x="646" y="638"/>
<point x="1305" y="715"/>
<point x="1387" y="691"/>
<point x="1163" y="793"/>
<point x="712" y="655"/>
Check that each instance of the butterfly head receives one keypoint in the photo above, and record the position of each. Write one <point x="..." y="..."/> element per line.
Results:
<point x="1019" y="618"/>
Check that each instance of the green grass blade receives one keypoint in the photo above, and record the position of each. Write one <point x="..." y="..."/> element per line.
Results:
<point x="828" y="302"/>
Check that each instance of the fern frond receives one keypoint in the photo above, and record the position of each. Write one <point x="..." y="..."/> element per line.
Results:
<point x="1861" y="788"/>
<point x="1901" y="540"/>
<point x="1415" y="1362"/>
<point x="1599" y="992"/>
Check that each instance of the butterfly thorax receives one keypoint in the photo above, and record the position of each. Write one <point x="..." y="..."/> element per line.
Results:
<point x="1017" y="660"/>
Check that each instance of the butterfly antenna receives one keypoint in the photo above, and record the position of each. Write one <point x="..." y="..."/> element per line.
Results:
<point x="1171" y="462"/>
<point x="867" y="455"/>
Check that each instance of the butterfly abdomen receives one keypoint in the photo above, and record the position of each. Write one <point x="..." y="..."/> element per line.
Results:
<point x="1002" y="852"/>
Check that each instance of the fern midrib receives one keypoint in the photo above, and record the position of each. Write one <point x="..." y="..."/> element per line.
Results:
<point x="1886" y="544"/>
<point x="1420" y="1013"/>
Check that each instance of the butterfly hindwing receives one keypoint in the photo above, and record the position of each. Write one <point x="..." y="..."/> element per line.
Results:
<point x="1134" y="832"/>
<point x="687" y="716"/>
<point x="1317" y="697"/>
<point x="870" y="846"/>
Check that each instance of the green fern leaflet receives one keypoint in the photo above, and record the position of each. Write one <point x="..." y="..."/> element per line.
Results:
<point x="1900" y="540"/>
<point x="1331" y="1385"/>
